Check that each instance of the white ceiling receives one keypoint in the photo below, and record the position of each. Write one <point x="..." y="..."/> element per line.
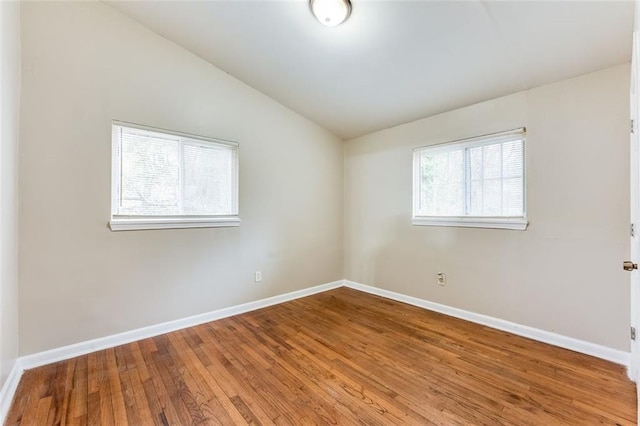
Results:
<point x="394" y="61"/>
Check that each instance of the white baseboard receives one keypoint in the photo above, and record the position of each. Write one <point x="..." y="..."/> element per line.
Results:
<point x="588" y="348"/>
<point x="9" y="388"/>
<point x="66" y="352"/>
<point x="83" y="348"/>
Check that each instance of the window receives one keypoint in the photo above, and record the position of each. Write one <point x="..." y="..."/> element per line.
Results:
<point x="478" y="182"/>
<point x="164" y="179"/>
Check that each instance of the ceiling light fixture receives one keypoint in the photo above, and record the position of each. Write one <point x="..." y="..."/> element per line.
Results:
<point x="330" y="13"/>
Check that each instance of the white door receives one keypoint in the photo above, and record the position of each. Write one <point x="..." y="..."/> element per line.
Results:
<point x="634" y="366"/>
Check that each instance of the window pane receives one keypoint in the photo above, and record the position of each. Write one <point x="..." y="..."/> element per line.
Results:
<point x="150" y="175"/>
<point x="512" y="197"/>
<point x="475" y="171"/>
<point x="491" y="197"/>
<point x="456" y="166"/>
<point x="440" y="201"/>
<point x="455" y="206"/>
<point x="161" y="174"/>
<point x="512" y="159"/>
<point x="207" y="180"/>
<point x="442" y="180"/>
<point x="491" y="161"/>
<point x="478" y="178"/>
<point x="475" y="207"/>
<point x="441" y="168"/>
<point x="426" y="199"/>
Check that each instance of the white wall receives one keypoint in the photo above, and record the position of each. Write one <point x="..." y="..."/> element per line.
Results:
<point x="564" y="273"/>
<point x="9" y="109"/>
<point x="85" y="64"/>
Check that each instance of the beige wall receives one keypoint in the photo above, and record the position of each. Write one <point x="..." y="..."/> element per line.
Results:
<point x="85" y="64"/>
<point x="563" y="274"/>
<point x="9" y="108"/>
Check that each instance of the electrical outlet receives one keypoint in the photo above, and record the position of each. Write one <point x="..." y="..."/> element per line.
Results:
<point x="258" y="276"/>
<point x="442" y="278"/>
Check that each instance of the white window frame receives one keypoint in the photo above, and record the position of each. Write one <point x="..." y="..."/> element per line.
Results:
<point x="129" y="223"/>
<point x="519" y="223"/>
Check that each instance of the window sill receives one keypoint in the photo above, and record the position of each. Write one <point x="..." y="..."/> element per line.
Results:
<point x="135" y="224"/>
<point x="473" y="222"/>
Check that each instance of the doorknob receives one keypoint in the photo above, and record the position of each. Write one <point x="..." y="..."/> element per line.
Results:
<point x="627" y="265"/>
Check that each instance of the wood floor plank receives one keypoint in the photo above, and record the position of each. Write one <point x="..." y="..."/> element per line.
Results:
<point x="115" y="388"/>
<point x="43" y="412"/>
<point x="157" y="396"/>
<point x="196" y="392"/>
<point x="222" y="408"/>
<point x="339" y="357"/>
<point x="78" y="391"/>
<point x="164" y="379"/>
<point x="93" y="409"/>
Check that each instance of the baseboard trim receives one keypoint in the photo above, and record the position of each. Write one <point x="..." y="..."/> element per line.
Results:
<point x="9" y="388"/>
<point x="66" y="352"/>
<point x="83" y="348"/>
<point x="588" y="348"/>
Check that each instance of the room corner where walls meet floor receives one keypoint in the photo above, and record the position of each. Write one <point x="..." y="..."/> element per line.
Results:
<point x="63" y="353"/>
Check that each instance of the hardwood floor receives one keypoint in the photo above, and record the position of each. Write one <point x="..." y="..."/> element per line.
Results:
<point x="340" y="357"/>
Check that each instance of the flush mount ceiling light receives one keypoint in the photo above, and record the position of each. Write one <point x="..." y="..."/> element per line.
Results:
<point x="330" y="12"/>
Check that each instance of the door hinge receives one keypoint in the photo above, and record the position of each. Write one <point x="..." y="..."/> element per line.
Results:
<point x="633" y="333"/>
<point x="633" y="127"/>
<point x="633" y="230"/>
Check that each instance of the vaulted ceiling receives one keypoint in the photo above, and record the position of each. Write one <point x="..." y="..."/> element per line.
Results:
<point x="394" y="61"/>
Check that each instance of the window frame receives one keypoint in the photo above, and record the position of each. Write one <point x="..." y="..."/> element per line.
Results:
<point x="519" y="223"/>
<point x="120" y="222"/>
